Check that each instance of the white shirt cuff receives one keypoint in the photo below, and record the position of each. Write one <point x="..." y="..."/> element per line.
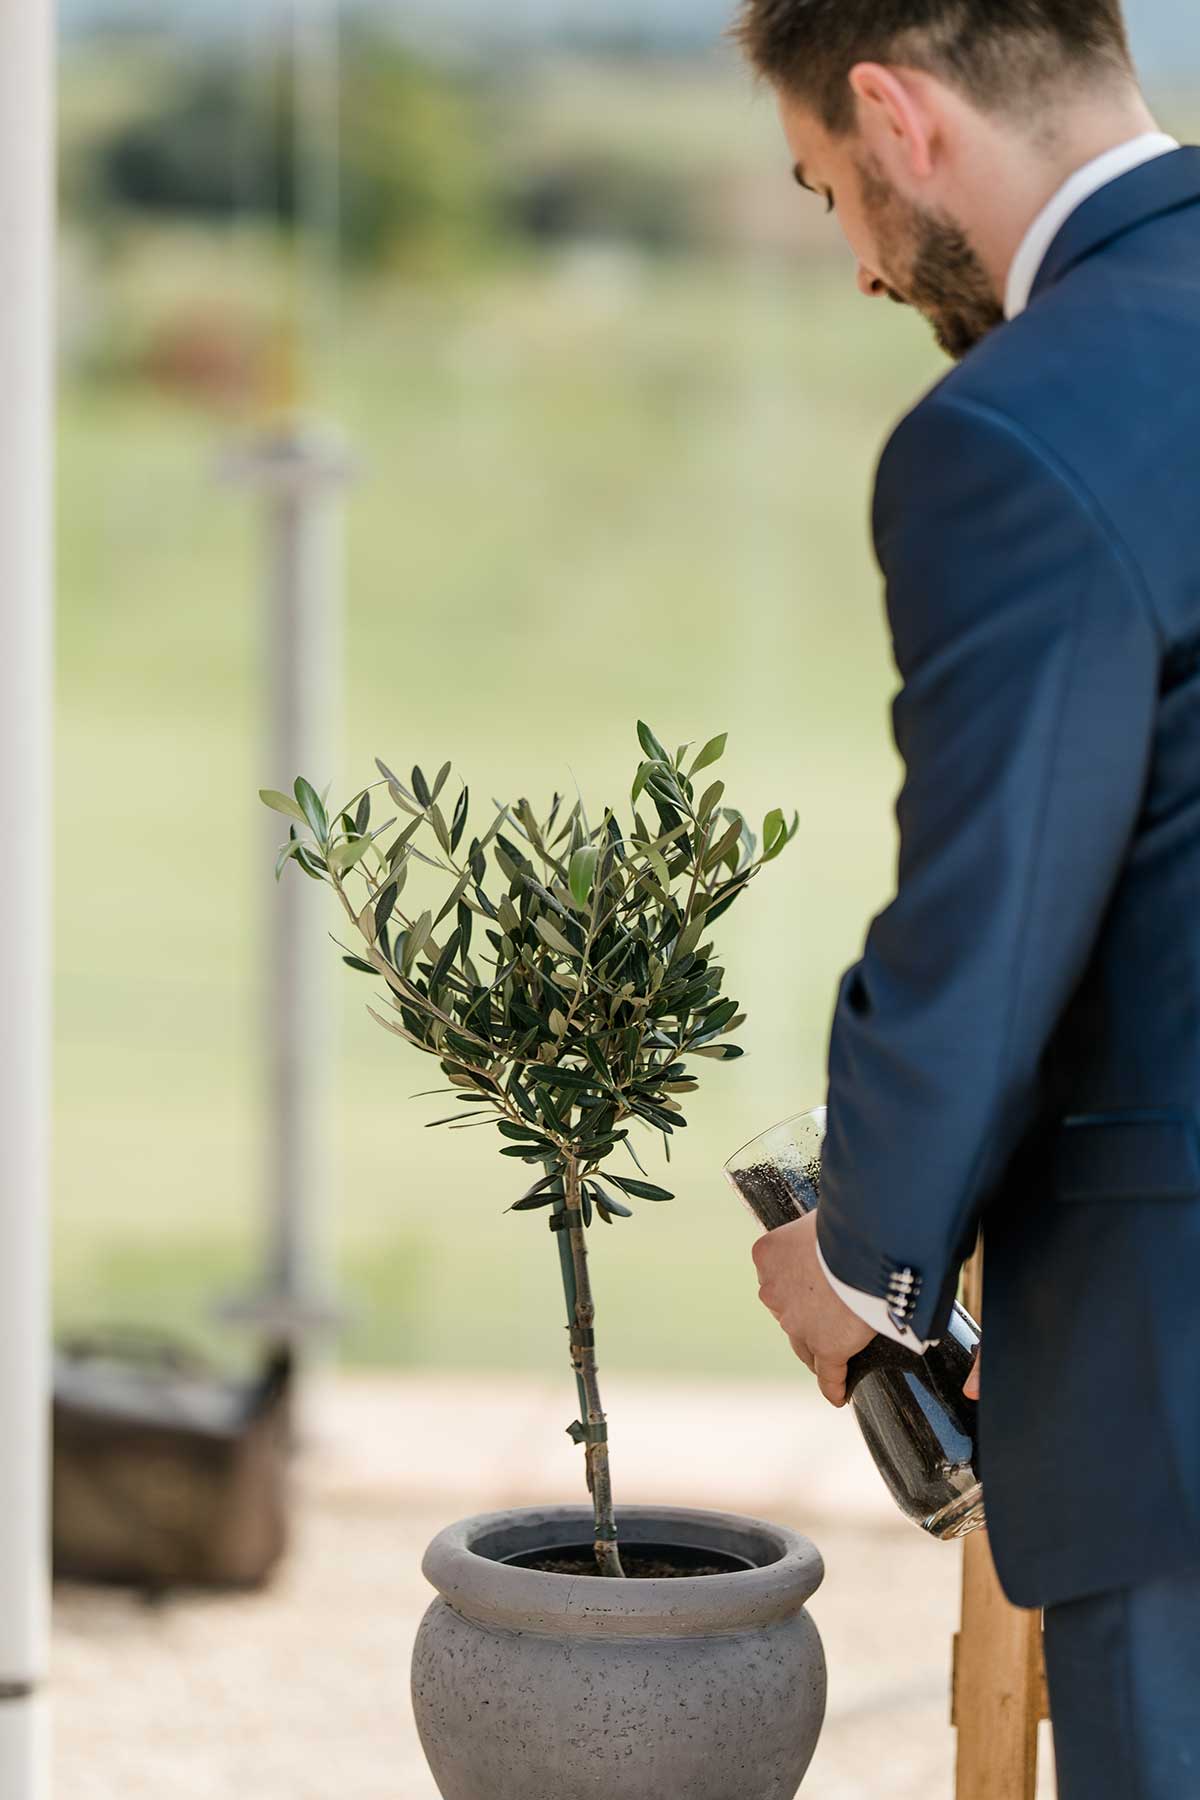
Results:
<point x="873" y="1311"/>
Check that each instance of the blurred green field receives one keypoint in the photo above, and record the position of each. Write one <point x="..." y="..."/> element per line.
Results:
<point x="596" y="486"/>
<point x="590" y="494"/>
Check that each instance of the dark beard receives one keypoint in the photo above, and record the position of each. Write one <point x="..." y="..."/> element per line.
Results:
<point x="950" y="286"/>
<point x="946" y="280"/>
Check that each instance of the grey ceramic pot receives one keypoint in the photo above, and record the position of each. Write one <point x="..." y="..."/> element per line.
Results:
<point x="530" y="1686"/>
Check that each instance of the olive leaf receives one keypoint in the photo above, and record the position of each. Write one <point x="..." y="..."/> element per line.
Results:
<point x="282" y="803"/>
<point x="343" y="858"/>
<point x="712" y="752"/>
<point x="312" y="808"/>
<point x="550" y="934"/>
<point x="582" y="873"/>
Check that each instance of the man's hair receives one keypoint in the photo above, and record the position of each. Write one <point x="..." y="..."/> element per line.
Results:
<point x="999" y="52"/>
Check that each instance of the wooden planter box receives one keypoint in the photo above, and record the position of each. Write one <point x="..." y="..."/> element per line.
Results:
<point x="166" y="1474"/>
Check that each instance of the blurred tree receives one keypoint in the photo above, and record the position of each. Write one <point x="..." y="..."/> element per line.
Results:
<point x="611" y="194"/>
<point x="216" y="138"/>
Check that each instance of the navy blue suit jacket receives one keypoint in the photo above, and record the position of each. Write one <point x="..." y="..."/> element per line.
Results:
<point x="1019" y="1046"/>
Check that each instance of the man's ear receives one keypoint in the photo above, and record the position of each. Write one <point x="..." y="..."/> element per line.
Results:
<point x="895" y="120"/>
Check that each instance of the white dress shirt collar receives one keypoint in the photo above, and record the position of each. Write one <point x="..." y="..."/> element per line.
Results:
<point x="1080" y="187"/>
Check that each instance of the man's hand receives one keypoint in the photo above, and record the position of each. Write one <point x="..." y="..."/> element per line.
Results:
<point x="823" y="1331"/>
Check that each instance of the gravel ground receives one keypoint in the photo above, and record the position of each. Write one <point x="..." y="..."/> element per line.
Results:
<point x="301" y="1693"/>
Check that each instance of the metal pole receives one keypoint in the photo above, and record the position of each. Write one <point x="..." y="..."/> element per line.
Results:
<point x="26" y="687"/>
<point x="299" y="474"/>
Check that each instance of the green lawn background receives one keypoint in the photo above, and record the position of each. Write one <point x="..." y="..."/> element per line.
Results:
<point x="594" y="488"/>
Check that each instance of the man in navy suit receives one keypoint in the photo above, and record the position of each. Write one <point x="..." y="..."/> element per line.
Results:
<point x="1018" y="1048"/>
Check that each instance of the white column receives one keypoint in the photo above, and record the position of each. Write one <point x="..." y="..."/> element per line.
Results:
<point x="300" y="474"/>
<point x="26" y="427"/>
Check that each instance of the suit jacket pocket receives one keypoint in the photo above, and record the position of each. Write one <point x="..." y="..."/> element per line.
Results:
<point x="1150" y="1153"/>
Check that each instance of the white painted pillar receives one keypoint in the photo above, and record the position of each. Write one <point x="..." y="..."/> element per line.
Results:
<point x="300" y="473"/>
<point x="26" y="686"/>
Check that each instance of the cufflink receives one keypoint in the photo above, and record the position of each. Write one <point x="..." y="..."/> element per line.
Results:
<point x="902" y="1292"/>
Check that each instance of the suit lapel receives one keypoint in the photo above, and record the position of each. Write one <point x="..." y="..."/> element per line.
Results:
<point x="1161" y="186"/>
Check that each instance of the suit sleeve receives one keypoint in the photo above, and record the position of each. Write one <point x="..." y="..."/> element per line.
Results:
<point x="1029" y="662"/>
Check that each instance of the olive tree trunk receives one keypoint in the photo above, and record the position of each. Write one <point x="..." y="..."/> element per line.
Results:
<point x="592" y="1429"/>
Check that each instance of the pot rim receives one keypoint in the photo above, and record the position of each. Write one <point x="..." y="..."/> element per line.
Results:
<point x="462" y="1564"/>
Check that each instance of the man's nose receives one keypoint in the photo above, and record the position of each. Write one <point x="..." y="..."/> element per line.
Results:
<point x="870" y="284"/>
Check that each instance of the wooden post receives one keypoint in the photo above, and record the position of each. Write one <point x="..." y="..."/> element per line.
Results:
<point x="999" y="1689"/>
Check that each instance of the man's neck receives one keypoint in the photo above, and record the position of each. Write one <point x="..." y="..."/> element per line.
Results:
<point x="1034" y="173"/>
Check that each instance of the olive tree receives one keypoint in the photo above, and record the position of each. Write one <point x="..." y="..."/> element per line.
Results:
<point x="563" y="976"/>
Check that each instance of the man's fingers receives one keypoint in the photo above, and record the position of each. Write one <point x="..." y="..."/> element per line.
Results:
<point x="831" y="1379"/>
<point x="796" y="1292"/>
<point x="768" y="1301"/>
<point x="971" y="1385"/>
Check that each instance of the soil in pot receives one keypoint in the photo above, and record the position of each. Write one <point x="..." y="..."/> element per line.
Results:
<point x="644" y="1562"/>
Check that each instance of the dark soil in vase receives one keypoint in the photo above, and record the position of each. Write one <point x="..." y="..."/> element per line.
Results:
<point x="641" y="1562"/>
